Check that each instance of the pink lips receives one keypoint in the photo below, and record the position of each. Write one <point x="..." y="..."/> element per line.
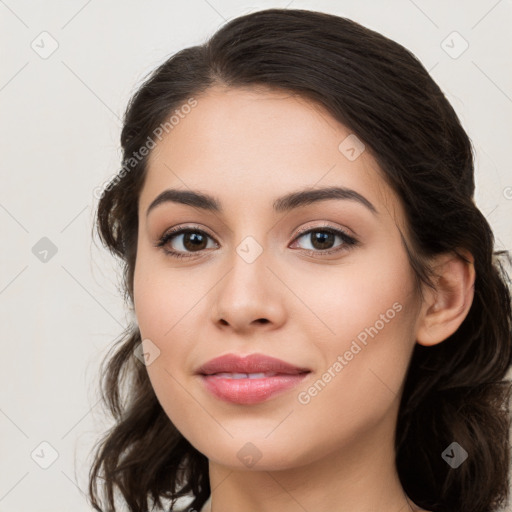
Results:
<point x="277" y="377"/>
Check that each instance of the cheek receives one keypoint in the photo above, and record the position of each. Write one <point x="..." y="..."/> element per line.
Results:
<point x="359" y="386"/>
<point x="368" y="294"/>
<point x="368" y="340"/>
<point x="166" y="305"/>
<point x="163" y="297"/>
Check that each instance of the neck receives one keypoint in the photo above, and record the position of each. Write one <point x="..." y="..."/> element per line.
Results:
<point x="360" y="476"/>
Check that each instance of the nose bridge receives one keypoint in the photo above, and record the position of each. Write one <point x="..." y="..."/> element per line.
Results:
<point x="247" y="292"/>
<point x="249" y="268"/>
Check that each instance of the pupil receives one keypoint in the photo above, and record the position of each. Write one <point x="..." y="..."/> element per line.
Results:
<point x="193" y="241"/>
<point x="322" y="238"/>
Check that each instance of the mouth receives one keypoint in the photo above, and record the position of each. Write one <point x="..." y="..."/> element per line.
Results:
<point x="248" y="366"/>
<point x="260" y="375"/>
<point x="251" y="379"/>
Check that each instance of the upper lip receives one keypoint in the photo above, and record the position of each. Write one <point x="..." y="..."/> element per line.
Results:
<point x="253" y="363"/>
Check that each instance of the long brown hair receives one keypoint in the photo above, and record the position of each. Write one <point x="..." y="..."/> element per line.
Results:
<point x="454" y="391"/>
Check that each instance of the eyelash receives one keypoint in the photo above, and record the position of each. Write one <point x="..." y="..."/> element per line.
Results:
<point x="348" y="241"/>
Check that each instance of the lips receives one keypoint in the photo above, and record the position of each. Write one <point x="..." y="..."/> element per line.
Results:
<point x="239" y="366"/>
<point x="251" y="379"/>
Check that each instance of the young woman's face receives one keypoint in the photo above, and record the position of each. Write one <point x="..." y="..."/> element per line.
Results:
<point x="324" y="285"/>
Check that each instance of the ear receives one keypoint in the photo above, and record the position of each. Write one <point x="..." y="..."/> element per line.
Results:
<point x="446" y="307"/>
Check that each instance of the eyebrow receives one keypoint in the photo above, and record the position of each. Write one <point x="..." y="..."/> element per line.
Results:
<point x="285" y="203"/>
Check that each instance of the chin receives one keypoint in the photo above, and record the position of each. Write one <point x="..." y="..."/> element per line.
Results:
<point x="257" y="455"/>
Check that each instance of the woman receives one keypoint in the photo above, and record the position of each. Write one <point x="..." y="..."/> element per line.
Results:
<point x="321" y="321"/>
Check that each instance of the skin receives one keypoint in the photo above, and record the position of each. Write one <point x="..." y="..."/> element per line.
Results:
<point x="246" y="147"/>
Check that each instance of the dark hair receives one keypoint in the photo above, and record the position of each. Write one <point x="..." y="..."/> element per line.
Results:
<point x="453" y="391"/>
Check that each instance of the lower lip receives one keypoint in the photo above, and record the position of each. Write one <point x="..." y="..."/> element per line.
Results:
<point x="250" y="391"/>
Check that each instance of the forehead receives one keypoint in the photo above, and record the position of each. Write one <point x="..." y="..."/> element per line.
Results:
<point x="261" y="143"/>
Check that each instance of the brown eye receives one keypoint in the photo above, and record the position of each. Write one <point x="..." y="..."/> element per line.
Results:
<point x="180" y="242"/>
<point x="321" y="240"/>
<point x="192" y="241"/>
<point x="324" y="239"/>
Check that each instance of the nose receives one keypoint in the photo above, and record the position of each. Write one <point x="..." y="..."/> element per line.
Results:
<point x="249" y="296"/>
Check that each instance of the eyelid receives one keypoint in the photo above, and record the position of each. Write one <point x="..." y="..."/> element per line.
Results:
<point x="179" y="230"/>
<point x="326" y="225"/>
<point x="348" y="240"/>
<point x="320" y="224"/>
<point x="187" y="227"/>
<point x="300" y="231"/>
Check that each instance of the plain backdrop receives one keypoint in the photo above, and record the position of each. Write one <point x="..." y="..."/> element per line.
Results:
<point x="67" y="71"/>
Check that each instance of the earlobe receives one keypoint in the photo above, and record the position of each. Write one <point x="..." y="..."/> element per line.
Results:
<point x="445" y="308"/>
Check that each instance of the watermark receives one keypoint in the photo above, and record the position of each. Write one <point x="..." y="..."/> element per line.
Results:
<point x="146" y="352"/>
<point x="249" y="249"/>
<point x="352" y="147"/>
<point x="44" y="250"/>
<point x="454" y="455"/>
<point x="507" y="192"/>
<point x="44" y="455"/>
<point x="454" y="45"/>
<point x="304" y="397"/>
<point x="137" y="156"/>
<point x="249" y="454"/>
<point x="44" y="45"/>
